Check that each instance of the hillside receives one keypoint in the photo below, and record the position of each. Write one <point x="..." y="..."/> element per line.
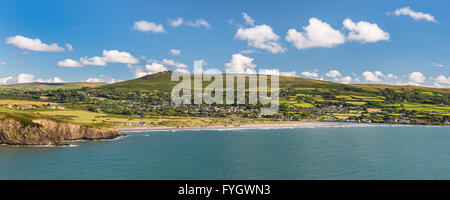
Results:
<point x="162" y="82"/>
<point x="51" y="86"/>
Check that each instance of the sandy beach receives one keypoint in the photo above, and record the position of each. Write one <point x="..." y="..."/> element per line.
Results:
<point x="245" y="126"/>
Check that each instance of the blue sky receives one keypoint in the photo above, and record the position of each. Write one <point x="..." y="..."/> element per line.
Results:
<point x="134" y="38"/>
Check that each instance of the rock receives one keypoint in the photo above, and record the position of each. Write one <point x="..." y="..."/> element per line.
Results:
<point x="50" y="132"/>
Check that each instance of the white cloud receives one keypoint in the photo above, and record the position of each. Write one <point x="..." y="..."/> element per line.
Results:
<point x="145" y="26"/>
<point x="69" y="63"/>
<point x="345" y="80"/>
<point x="373" y="76"/>
<point x="337" y="76"/>
<point x="333" y="74"/>
<point x="175" y="52"/>
<point x="33" y="44"/>
<point x="69" y="47"/>
<point x="310" y="74"/>
<point x="316" y="34"/>
<point x="248" y="20"/>
<point x="183" y="71"/>
<point x="28" y="78"/>
<point x="6" y="80"/>
<point x="109" y="56"/>
<point x="443" y="79"/>
<point x="261" y="37"/>
<point x="101" y="79"/>
<point x="51" y="80"/>
<point x="391" y="76"/>
<point x="174" y="63"/>
<point x="414" y="14"/>
<point x="155" y="68"/>
<point x="25" y="78"/>
<point x="276" y="72"/>
<point x="176" y="22"/>
<point x="199" y="23"/>
<point x="152" y="68"/>
<point x="240" y="64"/>
<point x="365" y="31"/>
<point x="416" y="78"/>
<point x="2" y="63"/>
<point x="94" y="61"/>
<point x="115" y="56"/>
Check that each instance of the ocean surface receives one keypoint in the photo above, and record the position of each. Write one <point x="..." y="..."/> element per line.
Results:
<point x="335" y="152"/>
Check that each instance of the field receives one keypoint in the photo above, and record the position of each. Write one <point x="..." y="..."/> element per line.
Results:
<point x="419" y="107"/>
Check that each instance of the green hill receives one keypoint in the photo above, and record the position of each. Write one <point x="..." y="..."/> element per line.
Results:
<point x="51" y="86"/>
<point x="162" y="82"/>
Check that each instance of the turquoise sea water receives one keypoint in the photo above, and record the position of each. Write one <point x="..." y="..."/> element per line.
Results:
<point x="349" y="152"/>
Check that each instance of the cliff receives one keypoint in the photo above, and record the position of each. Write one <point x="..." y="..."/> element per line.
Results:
<point x="48" y="132"/>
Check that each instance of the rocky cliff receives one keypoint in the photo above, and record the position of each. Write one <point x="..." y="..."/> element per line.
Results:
<point x="48" y="132"/>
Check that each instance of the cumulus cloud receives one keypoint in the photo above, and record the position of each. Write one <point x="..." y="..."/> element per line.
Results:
<point x="69" y="63"/>
<point x="33" y="44"/>
<point x="416" y="78"/>
<point x="240" y="64"/>
<point x="406" y="11"/>
<point x="152" y="68"/>
<point x="248" y="20"/>
<point x="6" y="80"/>
<point x="50" y="80"/>
<point x="312" y="74"/>
<point x="69" y="47"/>
<point x="364" y="31"/>
<point x="333" y="74"/>
<point x="199" y="23"/>
<point x="101" y="79"/>
<point x="378" y="77"/>
<point x="173" y="63"/>
<point x="316" y="34"/>
<point x="373" y="76"/>
<point x="145" y="26"/>
<point x="109" y="56"/>
<point x="337" y="76"/>
<point x="345" y="80"/>
<point x="93" y="61"/>
<point x="25" y="78"/>
<point x="261" y="37"/>
<point x="175" y="52"/>
<point x="443" y="79"/>
<point x="176" y="22"/>
<point x="276" y="72"/>
<point x="115" y="56"/>
<point x="2" y="63"/>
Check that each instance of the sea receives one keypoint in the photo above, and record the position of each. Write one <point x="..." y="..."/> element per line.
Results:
<point x="335" y="152"/>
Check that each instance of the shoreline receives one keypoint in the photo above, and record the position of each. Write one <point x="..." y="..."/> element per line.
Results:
<point x="265" y="126"/>
<point x="231" y="127"/>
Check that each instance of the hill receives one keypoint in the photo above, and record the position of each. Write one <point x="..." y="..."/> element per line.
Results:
<point x="51" y="86"/>
<point x="162" y="82"/>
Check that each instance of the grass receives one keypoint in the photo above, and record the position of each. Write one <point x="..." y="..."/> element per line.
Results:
<point x="420" y="107"/>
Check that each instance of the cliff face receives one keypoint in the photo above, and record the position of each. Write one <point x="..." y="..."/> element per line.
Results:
<point x="50" y="132"/>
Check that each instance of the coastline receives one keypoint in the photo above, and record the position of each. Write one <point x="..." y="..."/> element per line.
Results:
<point x="265" y="126"/>
<point x="231" y="127"/>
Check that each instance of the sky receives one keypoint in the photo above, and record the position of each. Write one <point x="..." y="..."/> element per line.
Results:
<point x="350" y="41"/>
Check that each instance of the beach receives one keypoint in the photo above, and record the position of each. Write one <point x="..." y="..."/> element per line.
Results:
<point x="244" y="126"/>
